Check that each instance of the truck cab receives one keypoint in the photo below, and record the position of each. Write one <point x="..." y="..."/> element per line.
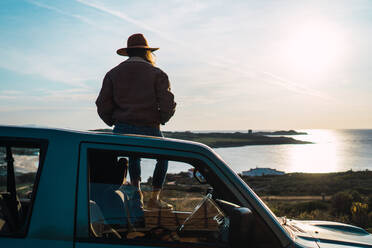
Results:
<point x="66" y="188"/>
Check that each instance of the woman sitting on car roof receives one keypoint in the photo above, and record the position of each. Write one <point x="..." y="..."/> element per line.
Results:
<point x="136" y="98"/>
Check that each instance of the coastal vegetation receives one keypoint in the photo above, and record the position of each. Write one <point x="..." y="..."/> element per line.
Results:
<point x="299" y="184"/>
<point x="215" y="140"/>
<point x="344" y="196"/>
<point x="280" y="132"/>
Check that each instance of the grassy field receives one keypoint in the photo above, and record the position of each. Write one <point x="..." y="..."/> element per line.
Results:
<point x="345" y="196"/>
<point x="314" y="184"/>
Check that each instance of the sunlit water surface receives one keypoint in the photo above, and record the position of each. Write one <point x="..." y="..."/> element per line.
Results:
<point x="332" y="151"/>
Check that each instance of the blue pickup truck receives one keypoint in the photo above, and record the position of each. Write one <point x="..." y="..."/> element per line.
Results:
<point x="62" y="188"/>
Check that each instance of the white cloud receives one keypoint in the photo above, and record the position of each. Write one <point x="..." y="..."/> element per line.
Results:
<point x="45" y="66"/>
<point x="10" y="94"/>
<point x="45" y="99"/>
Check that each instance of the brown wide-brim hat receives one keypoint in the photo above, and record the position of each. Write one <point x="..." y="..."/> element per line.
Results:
<point x="135" y="41"/>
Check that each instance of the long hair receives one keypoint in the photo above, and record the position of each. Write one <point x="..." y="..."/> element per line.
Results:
<point x="143" y="53"/>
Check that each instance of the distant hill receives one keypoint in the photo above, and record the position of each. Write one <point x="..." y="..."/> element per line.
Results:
<point x="215" y="140"/>
<point x="232" y="139"/>
<point x="281" y="132"/>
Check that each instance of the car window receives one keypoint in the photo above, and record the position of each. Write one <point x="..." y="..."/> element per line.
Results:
<point x="119" y="210"/>
<point x="18" y="168"/>
<point x="199" y="206"/>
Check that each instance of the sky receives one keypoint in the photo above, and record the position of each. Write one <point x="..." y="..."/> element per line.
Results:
<point x="233" y="65"/>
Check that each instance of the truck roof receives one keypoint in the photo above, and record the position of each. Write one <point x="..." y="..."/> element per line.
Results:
<point x="73" y="136"/>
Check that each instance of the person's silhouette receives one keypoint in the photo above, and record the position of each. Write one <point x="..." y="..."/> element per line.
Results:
<point x="136" y="98"/>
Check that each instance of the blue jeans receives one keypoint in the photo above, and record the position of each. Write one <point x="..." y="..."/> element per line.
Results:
<point x="135" y="162"/>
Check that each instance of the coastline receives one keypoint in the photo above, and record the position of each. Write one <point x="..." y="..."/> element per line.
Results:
<point x="237" y="139"/>
<point x="220" y="140"/>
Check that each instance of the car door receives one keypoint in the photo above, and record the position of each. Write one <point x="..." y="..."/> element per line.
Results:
<point x="108" y="213"/>
<point x="22" y="194"/>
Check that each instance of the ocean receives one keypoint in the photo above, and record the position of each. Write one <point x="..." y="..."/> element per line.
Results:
<point x="331" y="151"/>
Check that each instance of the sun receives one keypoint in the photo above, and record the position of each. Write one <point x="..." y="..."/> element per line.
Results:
<point x="313" y="48"/>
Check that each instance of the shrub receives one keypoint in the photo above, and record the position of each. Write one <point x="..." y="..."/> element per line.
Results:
<point x="356" y="196"/>
<point x="343" y="219"/>
<point x="315" y="215"/>
<point x="369" y="202"/>
<point x="341" y="202"/>
<point x="310" y="206"/>
<point x="359" y="214"/>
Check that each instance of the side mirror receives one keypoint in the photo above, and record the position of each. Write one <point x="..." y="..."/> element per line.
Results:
<point x="201" y="179"/>
<point x="241" y="227"/>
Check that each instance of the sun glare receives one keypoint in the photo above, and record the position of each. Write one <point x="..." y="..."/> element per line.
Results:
<point x="313" y="48"/>
<point x="319" y="158"/>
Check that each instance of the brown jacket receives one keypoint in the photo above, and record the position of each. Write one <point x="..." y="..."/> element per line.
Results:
<point x="135" y="92"/>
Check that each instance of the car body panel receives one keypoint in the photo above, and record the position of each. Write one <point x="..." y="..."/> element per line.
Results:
<point x="330" y="234"/>
<point x="31" y="242"/>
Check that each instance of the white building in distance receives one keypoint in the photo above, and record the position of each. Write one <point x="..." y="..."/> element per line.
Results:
<point x="262" y="171"/>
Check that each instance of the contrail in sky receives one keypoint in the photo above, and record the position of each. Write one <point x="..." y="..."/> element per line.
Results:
<point x="79" y="17"/>
<point x="275" y="79"/>
<point x="124" y="17"/>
